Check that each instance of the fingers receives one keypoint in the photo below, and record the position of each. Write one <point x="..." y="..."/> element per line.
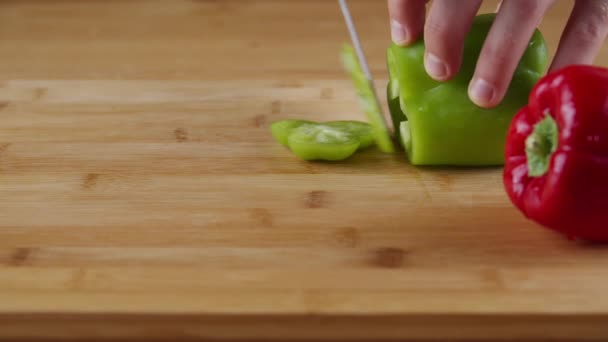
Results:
<point x="584" y="34"/>
<point x="504" y="46"/>
<point x="407" y="20"/>
<point x="445" y="30"/>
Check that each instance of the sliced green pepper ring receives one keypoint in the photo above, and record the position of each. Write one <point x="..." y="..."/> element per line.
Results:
<point x="281" y="129"/>
<point x="362" y="130"/>
<point x="322" y="142"/>
<point x="333" y="140"/>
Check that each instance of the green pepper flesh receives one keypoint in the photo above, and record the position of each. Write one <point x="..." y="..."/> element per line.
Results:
<point x="322" y="142"/>
<point x="366" y="95"/>
<point x="280" y="130"/>
<point x="332" y="141"/>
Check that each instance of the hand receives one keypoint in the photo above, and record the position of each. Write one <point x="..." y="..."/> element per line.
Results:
<point x="449" y="20"/>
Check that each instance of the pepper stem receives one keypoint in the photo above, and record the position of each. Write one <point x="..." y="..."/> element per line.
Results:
<point x="540" y="145"/>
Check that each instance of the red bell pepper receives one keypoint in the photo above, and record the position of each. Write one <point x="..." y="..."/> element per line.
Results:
<point x="556" y="166"/>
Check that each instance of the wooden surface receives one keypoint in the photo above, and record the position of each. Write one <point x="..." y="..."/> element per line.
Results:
<point x="141" y="194"/>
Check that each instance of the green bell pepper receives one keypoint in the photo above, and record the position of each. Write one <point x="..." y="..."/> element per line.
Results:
<point x="436" y="121"/>
<point x="331" y="141"/>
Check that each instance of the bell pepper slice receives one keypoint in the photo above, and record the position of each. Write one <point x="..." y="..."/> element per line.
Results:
<point x="332" y="141"/>
<point x="280" y="130"/>
<point x="322" y="142"/>
<point x="367" y="99"/>
<point x="556" y="169"/>
<point x="445" y="127"/>
<point x="362" y="130"/>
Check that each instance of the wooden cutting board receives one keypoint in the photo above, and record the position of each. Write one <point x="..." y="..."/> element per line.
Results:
<point x="138" y="199"/>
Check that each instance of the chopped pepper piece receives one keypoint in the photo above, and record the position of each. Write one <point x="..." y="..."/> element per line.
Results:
<point x="322" y="142"/>
<point x="556" y="169"/>
<point x="280" y="130"/>
<point x="367" y="99"/>
<point x="332" y="141"/>
<point x="362" y="130"/>
<point x="445" y="127"/>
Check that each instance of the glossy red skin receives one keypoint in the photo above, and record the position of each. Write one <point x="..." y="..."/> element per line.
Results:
<point x="572" y="197"/>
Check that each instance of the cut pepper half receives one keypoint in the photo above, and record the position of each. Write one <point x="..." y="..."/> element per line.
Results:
<point x="445" y="126"/>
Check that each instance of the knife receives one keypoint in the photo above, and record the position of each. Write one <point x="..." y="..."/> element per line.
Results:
<point x="356" y="64"/>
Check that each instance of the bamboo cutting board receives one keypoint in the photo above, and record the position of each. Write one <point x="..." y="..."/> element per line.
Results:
<point x="142" y="195"/>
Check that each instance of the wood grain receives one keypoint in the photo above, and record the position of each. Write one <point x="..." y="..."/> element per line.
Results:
<point x="141" y="194"/>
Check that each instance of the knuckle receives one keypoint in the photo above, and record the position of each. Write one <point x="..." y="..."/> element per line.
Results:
<point x="602" y="11"/>
<point x="592" y="20"/>
<point x="527" y="8"/>
<point x="499" y="53"/>
<point x="438" y="30"/>
<point x="406" y="11"/>
<point x="441" y="33"/>
<point x="396" y="8"/>
<point x="496" y="61"/>
<point x="593" y="28"/>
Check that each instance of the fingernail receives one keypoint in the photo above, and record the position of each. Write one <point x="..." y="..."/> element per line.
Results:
<point x="399" y="33"/>
<point x="435" y="67"/>
<point x="482" y="92"/>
